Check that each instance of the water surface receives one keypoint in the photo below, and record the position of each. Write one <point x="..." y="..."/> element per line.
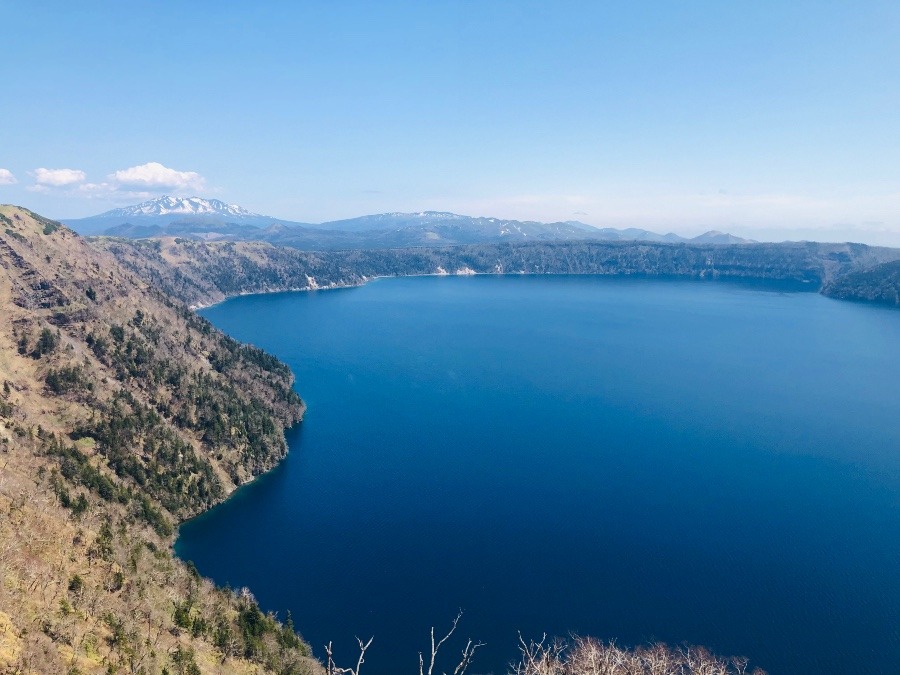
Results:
<point x="635" y="459"/>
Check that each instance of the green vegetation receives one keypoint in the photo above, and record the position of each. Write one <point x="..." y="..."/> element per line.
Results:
<point x="222" y="408"/>
<point x="76" y="468"/>
<point x="48" y="226"/>
<point x="66" y="379"/>
<point x="46" y="344"/>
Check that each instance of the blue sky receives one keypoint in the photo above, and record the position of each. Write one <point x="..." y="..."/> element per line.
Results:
<point x="773" y="120"/>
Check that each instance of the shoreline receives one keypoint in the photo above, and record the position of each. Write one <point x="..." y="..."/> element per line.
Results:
<point x="365" y="280"/>
<point x="238" y="488"/>
<point x="803" y="286"/>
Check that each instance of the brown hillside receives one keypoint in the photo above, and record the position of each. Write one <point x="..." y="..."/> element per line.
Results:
<point x="122" y="413"/>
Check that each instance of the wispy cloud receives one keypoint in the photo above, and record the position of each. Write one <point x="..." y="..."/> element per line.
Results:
<point x="154" y="176"/>
<point x="7" y="178"/>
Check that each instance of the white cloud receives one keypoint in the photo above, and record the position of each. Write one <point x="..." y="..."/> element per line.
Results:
<point x="7" y="178"/>
<point x="155" y="176"/>
<point x="136" y="183"/>
<point x="106" y="191"/>
<point x="95" y="189"/>
<point x="58" y="177"/>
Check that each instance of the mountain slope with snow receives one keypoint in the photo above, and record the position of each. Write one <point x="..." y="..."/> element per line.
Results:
<point x="167" y="206"/>
<point x="156" y="215"/>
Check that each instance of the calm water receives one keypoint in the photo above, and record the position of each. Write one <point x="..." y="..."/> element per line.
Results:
<point x="632" y="459"/>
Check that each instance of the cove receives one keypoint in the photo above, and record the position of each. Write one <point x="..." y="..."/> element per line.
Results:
<point x="636" y="459"/>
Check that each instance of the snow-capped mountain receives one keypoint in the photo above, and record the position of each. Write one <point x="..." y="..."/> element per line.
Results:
<point x="167" y="206"/>
<point x="156" y="216"/>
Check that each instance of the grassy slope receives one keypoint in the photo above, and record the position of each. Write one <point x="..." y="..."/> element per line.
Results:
<point x="121" y="413"/>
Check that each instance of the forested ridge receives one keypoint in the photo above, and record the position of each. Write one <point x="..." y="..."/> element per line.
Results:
<point x="201" y="273"/>
<point x="880" y="284"/>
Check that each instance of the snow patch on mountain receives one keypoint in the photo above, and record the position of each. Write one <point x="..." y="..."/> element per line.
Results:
<point x="165" y="206"/>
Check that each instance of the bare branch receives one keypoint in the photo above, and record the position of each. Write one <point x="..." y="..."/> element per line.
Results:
<point x="332" y="669"/>
<point x="434" y="649"/>
<point x="467" y="654"/>
<point x="362" y="654"/>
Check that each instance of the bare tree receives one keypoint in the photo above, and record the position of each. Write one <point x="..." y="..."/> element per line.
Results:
<point x="332" y="669"/>
<point x="540" y="658"/>
<point x="467" y="653"/>
<point x="587" y="656"/>
<point x="465" y="660"/>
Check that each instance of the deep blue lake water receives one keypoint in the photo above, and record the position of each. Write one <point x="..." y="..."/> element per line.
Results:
<point x="643" y="460"/>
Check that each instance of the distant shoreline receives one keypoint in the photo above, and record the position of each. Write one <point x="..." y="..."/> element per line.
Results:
<point x="800" y="286"/>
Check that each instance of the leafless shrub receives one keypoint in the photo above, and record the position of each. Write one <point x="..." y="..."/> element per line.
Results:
<point x="588" y="656"/>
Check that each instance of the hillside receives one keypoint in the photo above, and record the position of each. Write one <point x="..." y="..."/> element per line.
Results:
<point x="121" y="414"/>
<point x="201" y="273"/>
<point x="880" y="284"/>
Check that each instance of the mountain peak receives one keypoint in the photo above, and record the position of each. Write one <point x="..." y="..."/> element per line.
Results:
<point x="717" y="237"/>
<point x="166" y="205"/>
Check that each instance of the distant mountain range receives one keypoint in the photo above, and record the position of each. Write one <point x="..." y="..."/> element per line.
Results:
<point x="214" y="220"/>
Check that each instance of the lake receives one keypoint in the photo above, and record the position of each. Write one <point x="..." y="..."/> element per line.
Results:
<point x="692" y="462"/>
